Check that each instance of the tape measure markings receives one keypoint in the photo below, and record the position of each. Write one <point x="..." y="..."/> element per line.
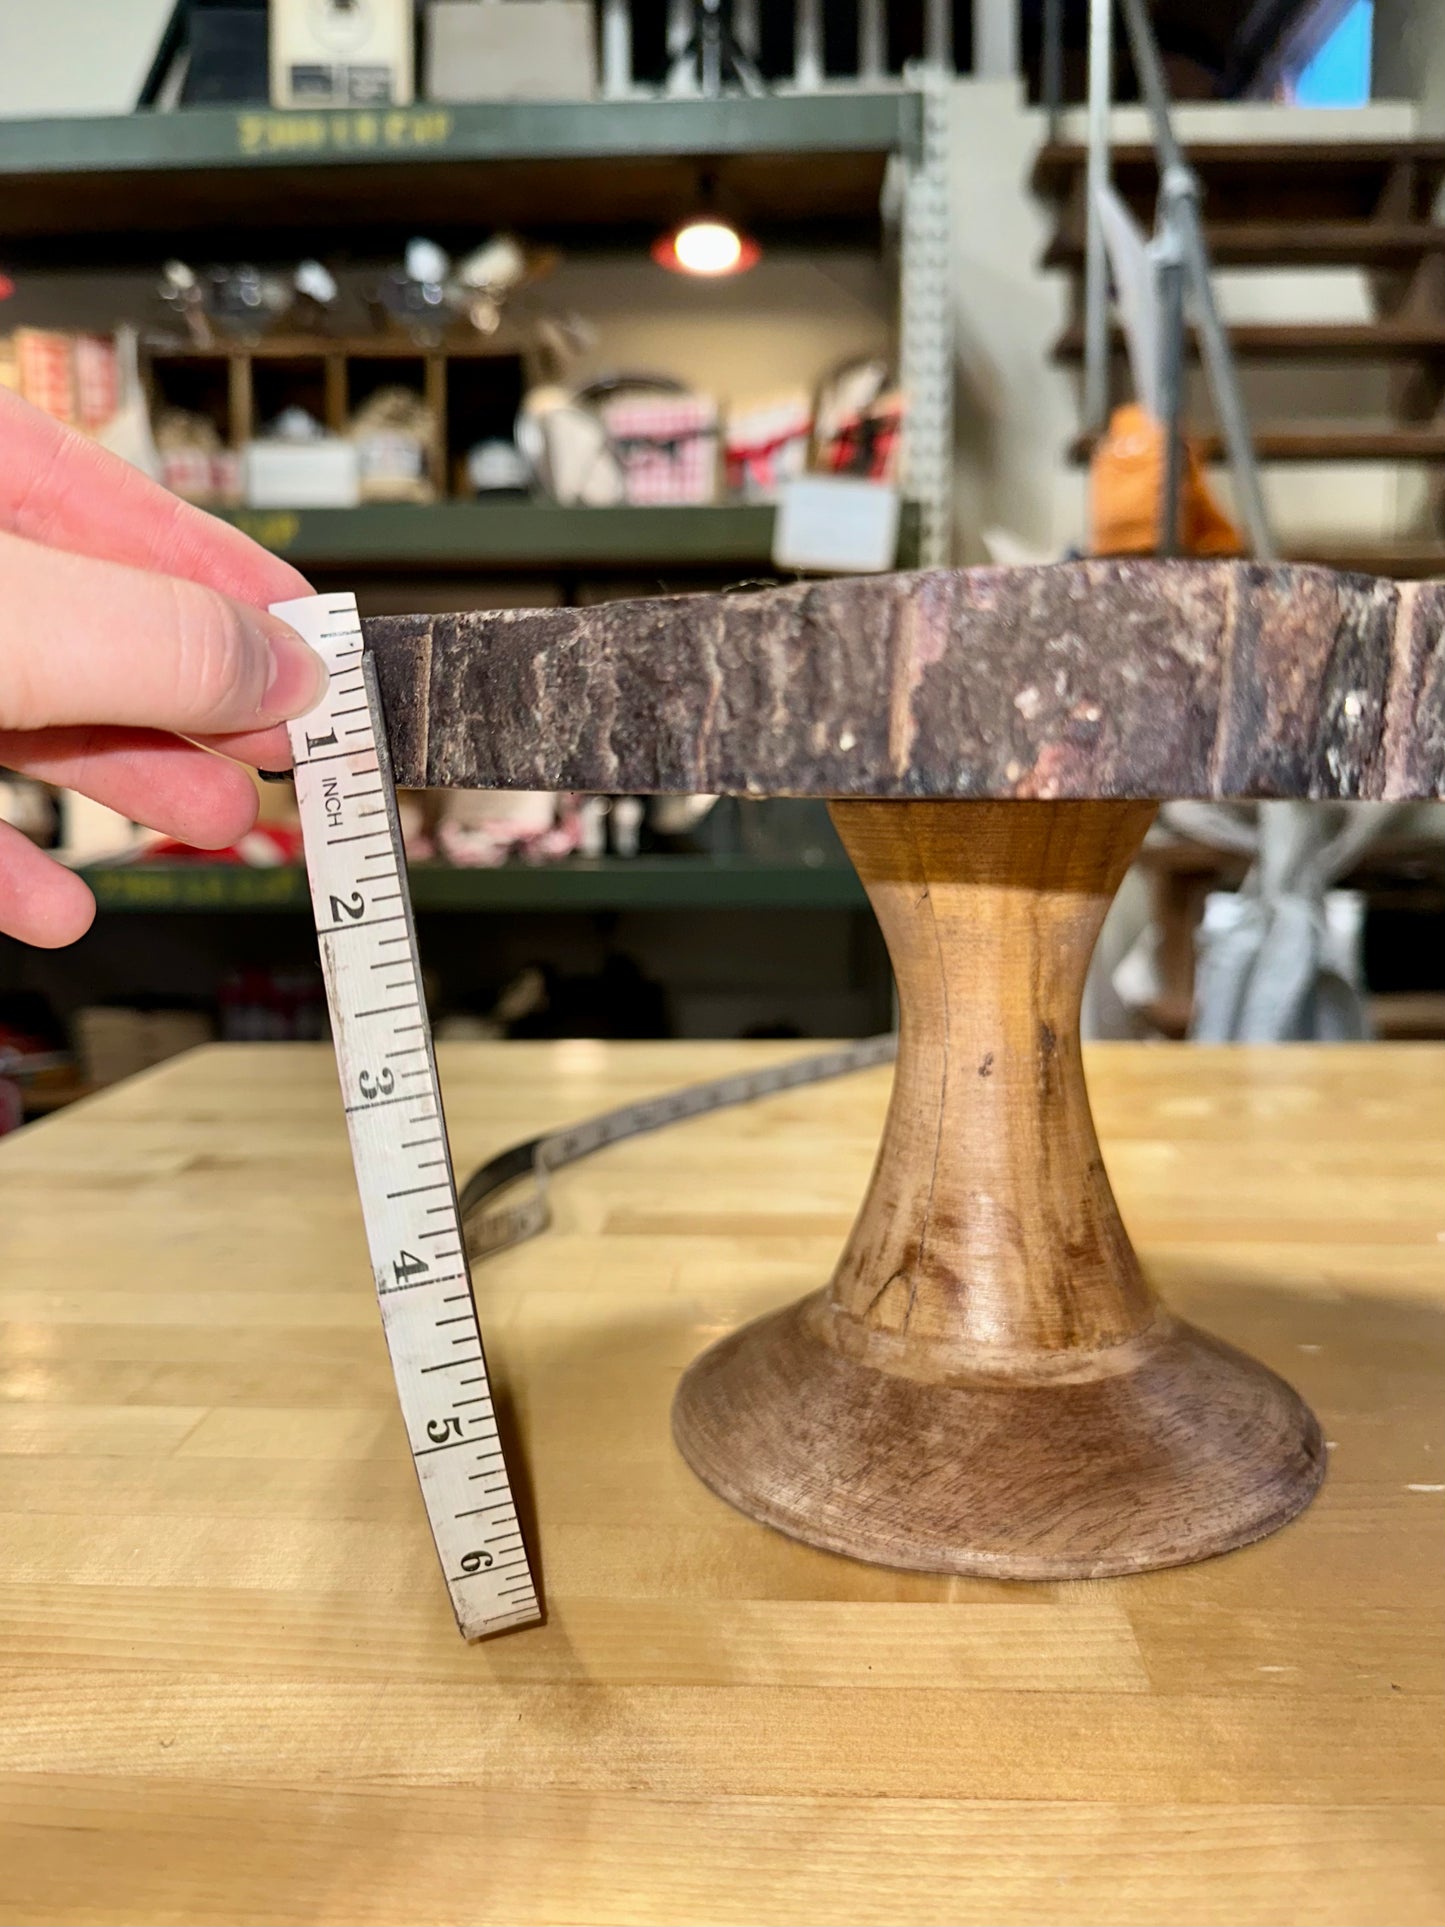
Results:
<point x="374" y="1027"/>
<point x="482" y="1604"/>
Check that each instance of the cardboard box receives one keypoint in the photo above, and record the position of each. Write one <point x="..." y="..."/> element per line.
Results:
<point x="342" y="53"/>
<point x="323" y="474"/>
<point x="510" y="50"/>
<point x="836" y="525"/>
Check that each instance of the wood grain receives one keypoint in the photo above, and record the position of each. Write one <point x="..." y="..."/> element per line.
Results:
<point x="988" y="1385"/>
<point x="231" y="1689"/>
<point x="1081" y="680"/>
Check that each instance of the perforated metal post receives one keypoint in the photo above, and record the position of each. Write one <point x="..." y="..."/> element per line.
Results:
<point x="1096" y="179"/>
<point x="927" y="321"/>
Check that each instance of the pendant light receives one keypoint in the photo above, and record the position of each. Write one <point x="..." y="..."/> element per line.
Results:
<point x="706" y="243"/>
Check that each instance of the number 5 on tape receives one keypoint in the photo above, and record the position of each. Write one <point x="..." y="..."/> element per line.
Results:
<point x="357" y="872"/>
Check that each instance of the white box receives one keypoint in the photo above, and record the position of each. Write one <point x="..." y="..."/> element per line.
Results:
<point x="342" y="53"/>
<point x="836" y="525"/>
<point x="510" y="50"/>
<point x="303" y="475"/>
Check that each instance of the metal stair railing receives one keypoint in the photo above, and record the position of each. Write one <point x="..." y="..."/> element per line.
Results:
<point x="1269" y="980"/>
<point x="1186" y="279"/>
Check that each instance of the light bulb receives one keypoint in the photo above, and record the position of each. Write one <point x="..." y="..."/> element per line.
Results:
<point x="708" y="247"/>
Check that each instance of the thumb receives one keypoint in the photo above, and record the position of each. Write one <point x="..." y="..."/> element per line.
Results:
<point x="83" y="641"/>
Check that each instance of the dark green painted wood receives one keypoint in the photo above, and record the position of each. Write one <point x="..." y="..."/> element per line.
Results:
<point x="504" y="536"/>
<point x="583" y="884"/>
<point x="211" y="137"/>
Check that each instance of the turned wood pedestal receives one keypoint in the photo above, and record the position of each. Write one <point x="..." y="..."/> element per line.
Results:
<point x="989" y="1385"/>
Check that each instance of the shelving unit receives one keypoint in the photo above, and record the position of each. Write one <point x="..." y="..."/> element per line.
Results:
<point x="825" y="172"/>
<point x="138" y="186"/>
<point x="607" y="173"/>
<point x="596" y="884"/>
<point x="506" y="536"/>
<point x="330" y="372"/>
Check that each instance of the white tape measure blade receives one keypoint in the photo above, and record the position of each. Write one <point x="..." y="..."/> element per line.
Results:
<point x="357" y="872"/>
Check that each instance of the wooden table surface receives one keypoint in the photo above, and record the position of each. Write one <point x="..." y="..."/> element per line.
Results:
<point x="230" y="1687"/>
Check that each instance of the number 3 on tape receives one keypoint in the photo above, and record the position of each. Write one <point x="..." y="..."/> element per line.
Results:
<point x="357" y="872"/>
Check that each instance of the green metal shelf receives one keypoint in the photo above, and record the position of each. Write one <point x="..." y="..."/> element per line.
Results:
<point x="581" y="884"/>
<point x="245" y="173"/>
<point x="244" y="137"/>
<point x="504" y="536"/>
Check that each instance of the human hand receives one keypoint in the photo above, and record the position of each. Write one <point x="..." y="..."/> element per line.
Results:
<point x="133" y="630"/>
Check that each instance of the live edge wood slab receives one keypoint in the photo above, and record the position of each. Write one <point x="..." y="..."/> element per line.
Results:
<point x="988" y="1384"/>
<point x="1088" y="680"/>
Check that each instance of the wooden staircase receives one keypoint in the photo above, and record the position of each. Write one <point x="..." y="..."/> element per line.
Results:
<point x="1277" y="206"/>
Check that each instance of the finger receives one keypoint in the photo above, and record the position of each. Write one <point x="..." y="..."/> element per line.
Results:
<point x="261" y="748"/>
<point x="63" y="490"/>
<point x="40" y="902"/>
<point x="154" y="779"/>
<point x="94" y="642"/>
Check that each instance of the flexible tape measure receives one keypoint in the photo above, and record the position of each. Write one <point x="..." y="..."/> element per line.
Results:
<point x="497" y="1229"/>
<point x="384" y="1058"/>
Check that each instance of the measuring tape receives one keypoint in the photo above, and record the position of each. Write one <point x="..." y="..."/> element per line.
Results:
<point x="489" y="1232"/>
<point x="414" y="1222"/>
<point x="384" y="1057"/>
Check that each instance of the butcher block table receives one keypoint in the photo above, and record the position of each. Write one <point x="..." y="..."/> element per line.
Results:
<point x="231" y="1689"/>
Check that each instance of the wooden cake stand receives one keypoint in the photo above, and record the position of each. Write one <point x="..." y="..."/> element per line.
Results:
<point x="988" y="1384"/>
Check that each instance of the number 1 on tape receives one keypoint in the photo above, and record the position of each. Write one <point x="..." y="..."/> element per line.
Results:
<point x="357" y="872"/>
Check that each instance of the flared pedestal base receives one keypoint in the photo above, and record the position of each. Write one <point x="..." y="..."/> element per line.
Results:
<point x="989" y="1384"/>
<point x="1168" y="1449"/>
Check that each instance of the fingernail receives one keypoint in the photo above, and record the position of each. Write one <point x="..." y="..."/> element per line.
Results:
<point x="298" y="675"/>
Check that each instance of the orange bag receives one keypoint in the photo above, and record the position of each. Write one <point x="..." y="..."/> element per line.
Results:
<point x="1126" y="481"/>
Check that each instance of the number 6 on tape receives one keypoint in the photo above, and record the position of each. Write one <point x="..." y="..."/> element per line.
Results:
<point x="357" y="872"/>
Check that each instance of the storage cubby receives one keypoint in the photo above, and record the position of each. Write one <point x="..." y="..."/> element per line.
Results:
<point x="472" y="390"/>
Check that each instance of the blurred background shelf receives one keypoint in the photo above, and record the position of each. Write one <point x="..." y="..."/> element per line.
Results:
<point x="843" y="191"/>
<point x="595" y="884"/>
<point x="140" y="186"/>
<point x="516" y="535"/>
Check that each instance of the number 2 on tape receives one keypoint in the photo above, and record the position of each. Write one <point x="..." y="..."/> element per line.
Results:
<point x="357" y="872"/>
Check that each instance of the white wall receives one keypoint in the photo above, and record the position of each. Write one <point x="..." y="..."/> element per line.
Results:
<point x="76" y="56"/>
<point x="1409" y="57"/>
<point x="1015" y="412"/>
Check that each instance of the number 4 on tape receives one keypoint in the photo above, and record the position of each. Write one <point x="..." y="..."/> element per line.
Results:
<point x="357" y="871"/>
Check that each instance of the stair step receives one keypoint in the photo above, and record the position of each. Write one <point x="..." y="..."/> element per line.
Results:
<point x="1400" y="1016"/>
<point x="1293" y="244"/>
<point x="1362" y="162"/>
<point x="1302" y="341"/>
<point x="1279" y="181"/>
<point x="1340" y="444"/>
<point x="1402" y="561"/>
<point x="1405" y="560"/>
